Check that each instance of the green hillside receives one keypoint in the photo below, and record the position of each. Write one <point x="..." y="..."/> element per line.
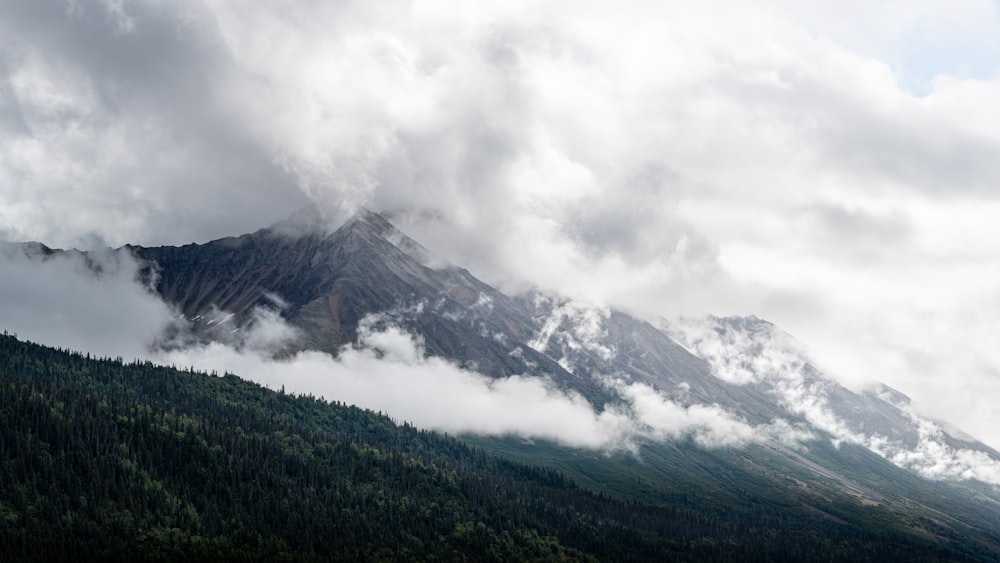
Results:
<point x="759" y="485"/>
<point x="105" y="460"/>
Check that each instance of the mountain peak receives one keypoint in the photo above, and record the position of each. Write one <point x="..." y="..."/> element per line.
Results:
<point x="329" y="276"/>
<point x="369" y="227"/>
<point x="366" y="215"/>
<point x="315" y="220"/>
<point x="369" y="221"/>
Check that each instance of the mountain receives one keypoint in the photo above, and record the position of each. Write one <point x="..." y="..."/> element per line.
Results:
<point x="771" y="438"/>
<point x="324" y="283"/>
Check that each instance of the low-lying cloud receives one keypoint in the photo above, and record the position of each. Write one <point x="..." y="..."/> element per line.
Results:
<point x="93" y="302"/>
<point x="387" y="370"/>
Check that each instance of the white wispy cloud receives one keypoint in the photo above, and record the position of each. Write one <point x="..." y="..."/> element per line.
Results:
<point x="387" y="370"/>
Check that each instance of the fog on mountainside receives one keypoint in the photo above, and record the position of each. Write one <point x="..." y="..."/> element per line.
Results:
<point x="364" y="314"/>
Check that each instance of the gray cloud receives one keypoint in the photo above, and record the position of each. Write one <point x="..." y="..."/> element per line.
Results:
<point x="123" y="127"/>
<point x="91" y="304"/>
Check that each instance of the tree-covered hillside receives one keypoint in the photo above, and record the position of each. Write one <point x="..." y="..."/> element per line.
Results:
<point x="105" y="460"/>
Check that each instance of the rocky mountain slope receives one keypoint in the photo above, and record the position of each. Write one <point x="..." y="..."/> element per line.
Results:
<point x="324" y="283"/>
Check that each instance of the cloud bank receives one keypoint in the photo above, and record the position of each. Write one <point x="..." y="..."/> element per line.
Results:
<point x="387" y="371"/>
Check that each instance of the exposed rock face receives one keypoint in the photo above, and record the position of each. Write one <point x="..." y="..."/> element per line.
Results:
<point x="326" y="283"/>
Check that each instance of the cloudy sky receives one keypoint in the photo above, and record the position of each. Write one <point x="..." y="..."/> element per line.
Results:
<point x="833" y="167"/>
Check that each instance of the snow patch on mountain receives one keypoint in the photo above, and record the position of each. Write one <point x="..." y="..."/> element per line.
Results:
<point x="749" y="351"/>
<point x="571" y="326"/>
<point x="934" y="458"/>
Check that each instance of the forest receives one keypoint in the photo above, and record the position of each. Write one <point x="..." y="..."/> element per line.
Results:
<point x="102" y="459"/>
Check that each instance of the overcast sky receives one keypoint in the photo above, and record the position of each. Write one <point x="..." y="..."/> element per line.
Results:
<point x="833" y="167"/>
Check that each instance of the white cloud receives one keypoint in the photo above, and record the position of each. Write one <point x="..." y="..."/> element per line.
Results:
<point x="662" y="419"/>
<point x="116" y="123"/>
<point x="387" y="371"/>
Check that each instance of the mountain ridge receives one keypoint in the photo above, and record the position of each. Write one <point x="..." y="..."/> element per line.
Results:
<point x="324" y="281"/>
<point x="791" y="425"/>
<point x="330" y="279"/>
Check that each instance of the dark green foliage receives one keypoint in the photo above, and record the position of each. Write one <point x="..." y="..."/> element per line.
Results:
<point x="101" y="460"/>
